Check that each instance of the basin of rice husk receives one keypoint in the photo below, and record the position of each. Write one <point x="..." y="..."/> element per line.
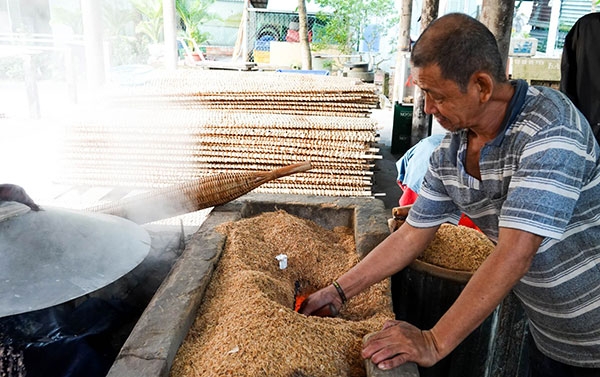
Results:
<point x="246" y="324"/>
<point x="458" y="247"/>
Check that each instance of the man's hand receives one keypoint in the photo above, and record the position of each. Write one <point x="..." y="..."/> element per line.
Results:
<point x="400" y="342"/>
<point x="14" y="193"/>
<point x="323" y="303"/>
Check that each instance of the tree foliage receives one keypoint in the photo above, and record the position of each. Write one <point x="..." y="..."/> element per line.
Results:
<point x="151" y="24"/>
<point x="193" y="14"/>
<point x="345" y="25"/>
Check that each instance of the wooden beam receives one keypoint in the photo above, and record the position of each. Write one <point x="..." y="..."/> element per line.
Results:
<point x="497" y="15"/>
<point x="421" y="121"/>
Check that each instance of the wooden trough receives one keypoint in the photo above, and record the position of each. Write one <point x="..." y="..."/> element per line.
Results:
<point x="162" y="328"/>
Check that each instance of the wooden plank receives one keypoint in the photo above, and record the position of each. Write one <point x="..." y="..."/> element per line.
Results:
<point x="404" y="370"/>
<point x="207" y="64"/>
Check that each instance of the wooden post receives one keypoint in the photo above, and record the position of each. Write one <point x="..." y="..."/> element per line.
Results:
<point x="91" y="12"/>
<point x="241" y="37"/>
<point x="71" y="72"/>
<point x="403" y="49"/>
<point x="421" y="121"/>
<point x="246" y="15"/>
<point x="170" y="31"/>
<point x="303" y="34"/>
<point x="553" y="28"/>
<point x="497" y="15"/>
<point x="409" y="369"/>
<point x="33" y="98"/>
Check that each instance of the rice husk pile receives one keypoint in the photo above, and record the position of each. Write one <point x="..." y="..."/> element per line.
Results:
<point x="458" y="247"/>
<point x="246" y="325"/>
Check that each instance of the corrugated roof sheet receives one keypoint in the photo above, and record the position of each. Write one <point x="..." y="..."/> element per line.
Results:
<point x="259" y="3"/>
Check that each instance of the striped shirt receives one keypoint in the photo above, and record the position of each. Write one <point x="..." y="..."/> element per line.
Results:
<point x="540" y="175"/>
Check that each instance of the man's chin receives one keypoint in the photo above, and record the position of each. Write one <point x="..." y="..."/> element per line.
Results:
<point x="448" y="126"/>
<point x="445" y="124"/>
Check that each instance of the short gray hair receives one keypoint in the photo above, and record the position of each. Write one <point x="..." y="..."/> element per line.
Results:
<point x="460" y="45"/>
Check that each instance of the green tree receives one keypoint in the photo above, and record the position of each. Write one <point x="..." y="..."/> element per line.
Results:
<point x="69" y="16"/>
<point x="118" y="19"/>
<point x="344" y="26"/>
<point x="151" y="24"/>
<point x="193" y="14"/>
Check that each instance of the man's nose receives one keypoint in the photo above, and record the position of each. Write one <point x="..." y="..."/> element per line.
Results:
<point x="429" y="106"/>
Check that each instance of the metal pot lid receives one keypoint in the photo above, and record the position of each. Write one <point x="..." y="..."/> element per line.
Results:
<point x="56" y="255"/>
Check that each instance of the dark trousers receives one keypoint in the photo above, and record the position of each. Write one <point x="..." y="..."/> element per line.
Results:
<point x="541" y="365"/>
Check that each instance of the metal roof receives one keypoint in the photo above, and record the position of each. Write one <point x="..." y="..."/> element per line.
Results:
<point x="259" y="3"/>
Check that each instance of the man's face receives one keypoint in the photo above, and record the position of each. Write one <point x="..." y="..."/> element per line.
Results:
<point x="452" y="108"/>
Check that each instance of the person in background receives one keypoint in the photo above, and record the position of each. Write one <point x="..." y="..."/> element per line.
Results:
<point x="522" y="163"/>
<point x="13" y="193"/>
<point x="580" y="68"/>
<point x="412" y="167"/>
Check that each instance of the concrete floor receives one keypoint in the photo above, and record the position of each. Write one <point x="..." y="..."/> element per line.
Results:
<point x="384" y="178"/>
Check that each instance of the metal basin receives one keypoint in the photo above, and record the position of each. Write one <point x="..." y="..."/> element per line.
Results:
<point x="56" y="255"/>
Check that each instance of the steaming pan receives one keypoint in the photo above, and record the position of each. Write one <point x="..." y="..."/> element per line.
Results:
<point x="56" y="255"/>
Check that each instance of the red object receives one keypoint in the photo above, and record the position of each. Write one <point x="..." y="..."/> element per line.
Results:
<point x="408" y="196"/>
<point x="466" y="221"/>
<point x="294" y="36"/>
<point x="298" y="302"/>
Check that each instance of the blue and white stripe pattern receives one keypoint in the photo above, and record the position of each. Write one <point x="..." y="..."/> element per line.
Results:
<point x="540" y="175"/>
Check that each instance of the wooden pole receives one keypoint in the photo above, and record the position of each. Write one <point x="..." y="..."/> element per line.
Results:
<point x="421" y="121"/>
<point x="403" y="49"/>
<point x="303" y="34"/>
<point x="246" y="15"/>
<point x="91" y="11"/>
<point x="33" y="98"/>
<point x="497" y="15"/>
<point x="170" y="31"/>
<point x="553" y="28"/>
<point x="240" y="38"/>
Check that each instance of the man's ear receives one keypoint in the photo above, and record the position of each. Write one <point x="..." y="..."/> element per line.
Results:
<point x="484" y="84"/>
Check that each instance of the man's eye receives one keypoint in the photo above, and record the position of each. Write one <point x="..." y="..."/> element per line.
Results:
<point x="435" y="98"/>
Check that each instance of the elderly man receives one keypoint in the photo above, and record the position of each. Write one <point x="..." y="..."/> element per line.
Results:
<point x="523" y="164"/>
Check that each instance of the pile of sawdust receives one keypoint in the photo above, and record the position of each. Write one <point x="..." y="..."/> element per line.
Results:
<point x="246" y="325"/>
<point x="458" y="247"/>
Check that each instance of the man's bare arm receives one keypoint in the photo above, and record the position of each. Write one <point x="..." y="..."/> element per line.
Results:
<point x="393" y="254"/>
<point x="494" y="279"/>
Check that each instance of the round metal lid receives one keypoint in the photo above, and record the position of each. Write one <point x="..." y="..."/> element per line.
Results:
<point x="56" y="255"/>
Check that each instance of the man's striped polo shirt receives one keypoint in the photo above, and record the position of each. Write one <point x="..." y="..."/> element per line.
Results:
<point x="541" y="174"/>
